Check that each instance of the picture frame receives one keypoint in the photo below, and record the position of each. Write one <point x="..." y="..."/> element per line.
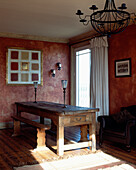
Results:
<point x="123" y="68"/>
<point x="24" y="66"/>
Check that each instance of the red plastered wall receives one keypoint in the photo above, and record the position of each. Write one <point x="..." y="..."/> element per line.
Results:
<point x="50" y="91"/>
<point x="122" y="90"/>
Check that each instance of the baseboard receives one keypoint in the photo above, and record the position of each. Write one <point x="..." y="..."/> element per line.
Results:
<point x="6" y="125"/>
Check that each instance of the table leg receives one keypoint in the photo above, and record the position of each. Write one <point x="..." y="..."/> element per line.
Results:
<point x="41" y="138"/>
<point x="60" y="138"/>
<point x="16" y="128"/>
<point x="41" y="120"/>
<point x="53" y="127"/>
<point x="83" y="129"/>
<point x="92" y="132"/>
<point x="17" y="111"/>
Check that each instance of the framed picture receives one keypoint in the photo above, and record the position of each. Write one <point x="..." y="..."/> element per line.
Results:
<point x="123" y="68"/>
<point x="24" y="66"/>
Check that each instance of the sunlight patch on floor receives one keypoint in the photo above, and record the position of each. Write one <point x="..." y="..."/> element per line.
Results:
<point x="84" y="161"/>
<point x="98" y="160"/>
<point x="121" y="167"/>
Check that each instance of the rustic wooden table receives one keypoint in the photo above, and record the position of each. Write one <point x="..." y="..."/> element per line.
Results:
<point x="62" y="117"/>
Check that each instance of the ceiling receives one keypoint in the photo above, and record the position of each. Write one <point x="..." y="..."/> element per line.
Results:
<point x="49" y="18"/>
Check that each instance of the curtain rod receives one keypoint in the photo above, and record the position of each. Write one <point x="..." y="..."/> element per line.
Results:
<point x="86" y="39"/>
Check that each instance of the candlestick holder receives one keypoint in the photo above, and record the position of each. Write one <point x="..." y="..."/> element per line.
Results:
<point x="64" y="85"/>
<point x="35" y="88"/>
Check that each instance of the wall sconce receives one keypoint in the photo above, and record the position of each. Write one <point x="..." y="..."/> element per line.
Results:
<point x="53" y="72"/>
<point x="59" y="65"/>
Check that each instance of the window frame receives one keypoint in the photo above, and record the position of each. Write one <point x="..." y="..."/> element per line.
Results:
<point x="73" y="72"/>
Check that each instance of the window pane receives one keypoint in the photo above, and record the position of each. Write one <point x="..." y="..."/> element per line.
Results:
<point x="82" y="52"/>
<point x="83" y="78"/>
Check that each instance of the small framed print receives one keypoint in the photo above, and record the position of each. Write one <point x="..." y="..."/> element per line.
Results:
<point x="123" y="68"/>
<point x="24" y="66"/>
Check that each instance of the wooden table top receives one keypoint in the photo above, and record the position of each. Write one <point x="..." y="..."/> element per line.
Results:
<point x="56" y="107"/>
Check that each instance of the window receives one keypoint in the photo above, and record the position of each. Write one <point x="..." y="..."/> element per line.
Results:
<point x="83" y="65"/>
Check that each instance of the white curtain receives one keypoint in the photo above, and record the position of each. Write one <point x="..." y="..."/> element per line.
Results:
<point x="99" y="75"/>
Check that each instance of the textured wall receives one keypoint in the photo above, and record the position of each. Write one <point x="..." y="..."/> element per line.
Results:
<point x="51" y="89"/>
<point x="122" y="90"/>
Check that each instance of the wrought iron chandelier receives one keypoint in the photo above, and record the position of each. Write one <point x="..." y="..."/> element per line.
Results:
<point x="108" y="21"/>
